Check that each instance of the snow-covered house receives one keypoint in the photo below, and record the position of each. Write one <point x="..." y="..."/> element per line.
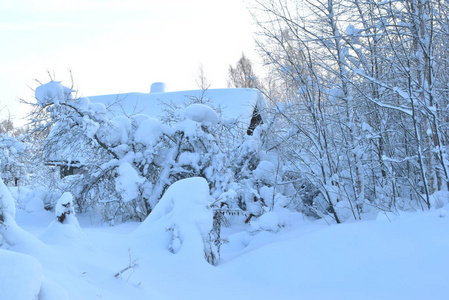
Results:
<point x="242" y="108"/>
<point x="247" y="106"/>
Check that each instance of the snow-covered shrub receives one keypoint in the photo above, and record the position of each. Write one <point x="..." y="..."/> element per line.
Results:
<point x="12" y="158"/>
<point x="11" y="234"/>
<point x="65" y="213"/>
<point x="52" y="92"/>
<point x="127" y="163"/>
<point x="271" y="221"/>
<point x="189" y="142"/>
<point x="65" y="229"/>
<point x="34" y="198"/>
<point x="181" y="221"/>
<point x="7" y="204"/>
<point x="245" y="161"/>
<point x="262" y="184"/>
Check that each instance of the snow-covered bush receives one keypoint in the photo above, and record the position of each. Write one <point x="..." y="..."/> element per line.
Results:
<point x="65" y="213"/>
<point x="271" y="221"/>
<point x="127" y="163"/>
<point x="7" y="204"/>
<point x="12" y="158"/>
<point x="261" y="183"/>
<point x="11" y="235"/>
<point x="65" y="229"/>
<point x="52" y="92"/>
<point x="181" y="221"/>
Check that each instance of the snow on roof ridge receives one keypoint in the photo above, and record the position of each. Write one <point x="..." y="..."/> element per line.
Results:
<point x="181" y="91"/>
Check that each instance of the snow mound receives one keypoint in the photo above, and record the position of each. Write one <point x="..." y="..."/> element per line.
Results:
<point x="265" y="171"/>
<point x="118" y="131"/>
<point x="149" y="132"/>
<point x="138" y="119"/>
<point x="181" y="221"/>
<point x="65" y="229"/>
<point x="385" y="216"/>
<point x="34" y="200"/>
<point x="21" y="276"/>
<point x="351" y="30"/>
<point x="128" y="182"/>
<point x="271" y="221"/>
<point x="64" y="234"/>
<point x="97" y="109"/>
<point x="51" y="290"/>
<point x="52" y="92"/>
<point x="35" y="204"/>
<point x="201" y="113"/>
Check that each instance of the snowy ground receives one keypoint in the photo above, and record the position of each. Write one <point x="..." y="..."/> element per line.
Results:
<point x="405" y="258"/>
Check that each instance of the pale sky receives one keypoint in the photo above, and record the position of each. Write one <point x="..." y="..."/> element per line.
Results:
<point x="117" y="46"/>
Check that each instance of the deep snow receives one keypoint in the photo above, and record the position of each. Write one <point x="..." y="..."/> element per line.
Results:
<point x="405" y="258"/>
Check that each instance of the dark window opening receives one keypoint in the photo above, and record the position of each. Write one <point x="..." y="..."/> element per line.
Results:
<point x="67" y="170"/>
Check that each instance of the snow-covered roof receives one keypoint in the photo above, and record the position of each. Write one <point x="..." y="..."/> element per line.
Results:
<point x="233" y="103"/>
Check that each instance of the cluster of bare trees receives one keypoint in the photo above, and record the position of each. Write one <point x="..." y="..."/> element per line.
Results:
<point x="243" y="75"/>
<point x="361" y="91"/>
<point x="360" y="118"/>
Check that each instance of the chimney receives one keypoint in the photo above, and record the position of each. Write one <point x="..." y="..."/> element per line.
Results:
<point x="158" y="87"/>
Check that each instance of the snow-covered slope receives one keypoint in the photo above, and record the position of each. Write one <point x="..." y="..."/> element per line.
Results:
<point x="406" y="258"/>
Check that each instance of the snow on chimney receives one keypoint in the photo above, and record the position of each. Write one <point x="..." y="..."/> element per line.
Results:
<point x="158" y="87"/>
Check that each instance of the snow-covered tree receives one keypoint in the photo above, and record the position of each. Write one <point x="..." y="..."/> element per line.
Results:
<point x="242" y="75"/>
<point x="12" y="159"/>
<point x="363" y="117"/>
<point x="129" y="161"/>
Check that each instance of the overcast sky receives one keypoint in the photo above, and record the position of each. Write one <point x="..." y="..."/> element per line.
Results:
<point x="116" y="46"/>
